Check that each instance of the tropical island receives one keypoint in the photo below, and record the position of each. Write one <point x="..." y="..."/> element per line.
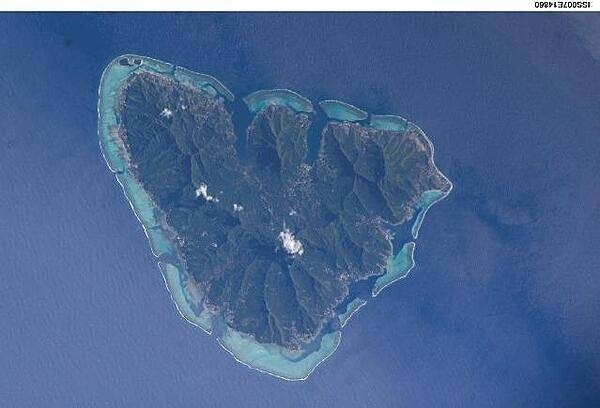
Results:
<point x="269" y="252"/>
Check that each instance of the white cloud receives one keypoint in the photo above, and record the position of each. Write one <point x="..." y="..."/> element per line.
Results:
<point x="166" y="112"/>
<point x="290" y="243"/>
<point x="202" y="191"/>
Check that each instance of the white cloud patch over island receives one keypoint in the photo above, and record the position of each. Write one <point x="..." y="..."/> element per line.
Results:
<point x="202" y="191"/>
<point x="290" y="243"/>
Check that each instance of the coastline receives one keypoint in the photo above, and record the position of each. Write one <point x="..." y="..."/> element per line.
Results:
<point x="351" y="309"/>
<point x="159" y="237"/>
<point x="259" y="100"/>
<point x="342" y="111"/>
<point x="388" y="122"/>
<point x="397" y="268"/>
<point x="268" y="358"/>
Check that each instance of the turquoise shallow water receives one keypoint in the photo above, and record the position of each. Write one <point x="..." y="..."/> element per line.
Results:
<point x="275" y="360"/>
<point x="342" y="111"/>
<point x="183" y="298"/>
<point x="427" y="200"/>
<point x="352" y="307"/>
<point x="398" y="267"/>
<point x="259" y="100"/>
<point x="203" y="81"/>
<point x="269" y="358"/>
<point x="388" y="122"/>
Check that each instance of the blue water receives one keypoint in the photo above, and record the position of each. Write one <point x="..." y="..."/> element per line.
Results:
<point x="502" y="307"/>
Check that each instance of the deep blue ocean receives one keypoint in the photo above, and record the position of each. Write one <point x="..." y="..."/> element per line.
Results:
<point x="503" y="307"/>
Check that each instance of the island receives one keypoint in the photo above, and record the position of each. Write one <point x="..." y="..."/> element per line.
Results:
<point x="269" y="252"/>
